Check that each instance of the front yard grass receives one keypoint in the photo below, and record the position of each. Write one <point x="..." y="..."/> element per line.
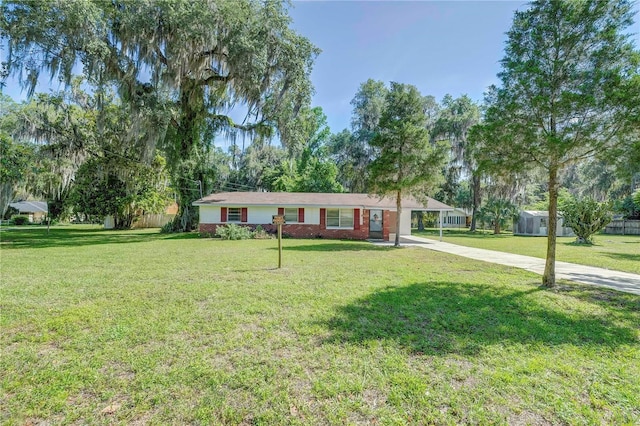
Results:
<point x="135" y="327"/>
<point x="617" y="252"/>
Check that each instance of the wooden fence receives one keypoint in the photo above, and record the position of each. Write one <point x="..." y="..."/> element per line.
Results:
<point x="623" y="227"/>
<point x="153" y="220"/>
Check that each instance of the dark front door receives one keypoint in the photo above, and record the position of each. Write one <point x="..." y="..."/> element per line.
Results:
<point x="375" y="224"/>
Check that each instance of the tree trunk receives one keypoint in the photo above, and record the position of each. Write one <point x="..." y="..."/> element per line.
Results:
<point x="420" y="221"/>
<point x="398" y="213"/>
<point x="549" y="277"/>
<point x="56" y="207"/>
<point x="123" y="221"/>
<point x="496" y="227"/>
<point x="7" y="193"/>
<point x="186" y="219"/>
<point x="475" y="189"/>
<point x="185" y="157"/>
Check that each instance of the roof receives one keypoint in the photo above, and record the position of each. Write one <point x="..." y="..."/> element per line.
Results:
<point x="538" y="213"/>
<point x="30" y="206"/>
<point x="462" y="210"/>
<point x="309" y="199"/>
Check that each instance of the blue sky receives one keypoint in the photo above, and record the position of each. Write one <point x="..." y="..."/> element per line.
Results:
<point x="439" y="46"/>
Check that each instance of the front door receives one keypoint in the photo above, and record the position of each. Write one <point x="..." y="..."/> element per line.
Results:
<point x="375" y="224"/>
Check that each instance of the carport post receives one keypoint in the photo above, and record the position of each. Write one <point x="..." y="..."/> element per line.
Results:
<point x="441" y="225"/>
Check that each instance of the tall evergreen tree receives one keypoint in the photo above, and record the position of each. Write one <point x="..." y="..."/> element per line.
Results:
<point x="406" y="161"/>
<point x="565" y="94"/>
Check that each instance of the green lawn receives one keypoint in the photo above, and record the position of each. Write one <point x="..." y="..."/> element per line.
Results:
<point x="618" y="252"/>
<point x="102" y="327"/>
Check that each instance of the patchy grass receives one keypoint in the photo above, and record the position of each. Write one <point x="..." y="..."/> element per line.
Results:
<point x="135" y="327"/>
<point x="618" y="252"/>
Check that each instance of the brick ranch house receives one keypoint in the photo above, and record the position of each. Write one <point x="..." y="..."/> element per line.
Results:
<point x="312" y="215"/>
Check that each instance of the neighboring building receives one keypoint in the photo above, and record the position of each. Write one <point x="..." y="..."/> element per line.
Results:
<point x="312" y="215"/>
<point x="457" y="218"/>
<point x="35" y="210"/>
<point x="536" y="222"/>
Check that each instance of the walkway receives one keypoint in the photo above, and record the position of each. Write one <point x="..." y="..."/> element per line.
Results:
<point x="621" y="281"/>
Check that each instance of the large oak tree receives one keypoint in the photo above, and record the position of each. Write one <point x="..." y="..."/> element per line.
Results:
<point x="351" y="150"/>
<point x="182" y="65"/>
<point x="455" y="120"/>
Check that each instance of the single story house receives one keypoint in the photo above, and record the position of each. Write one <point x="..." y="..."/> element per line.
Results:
<point x="35" y="210"/>
<point x="312" y="215"/>
<point x="535" y="222"/>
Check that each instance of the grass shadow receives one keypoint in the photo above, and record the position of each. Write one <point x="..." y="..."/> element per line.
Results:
<point x="623" y="256"/>
<point x="79" y="236"/>
<point x="574" y="243"/>
<point x="614" y="299"/>
<point x="461" y="233"/>
<point x="335" y="246"/>
<point x="442" y="317"/>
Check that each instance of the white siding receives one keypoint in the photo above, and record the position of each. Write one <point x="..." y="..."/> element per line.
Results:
<point x="405" y="222"/>
<point x="312" y="216"/>
<point x="209" y="214"/>
<point x="452" y="219"/>
<point x="261" y="215"/>
<point x="257" y="215"/>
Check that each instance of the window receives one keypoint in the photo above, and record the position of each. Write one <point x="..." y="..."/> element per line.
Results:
<point x="543" y="222"/>
<point x="291" y="215"/>
<point x="340" y="218"/>
<point x="234" y="214"/>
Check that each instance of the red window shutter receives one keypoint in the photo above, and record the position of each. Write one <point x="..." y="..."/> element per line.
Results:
<point x="356" y="219"/>
<point x="323" y="218"/>
<point x="280" y="211"/>
<point x="300" y="215"/>
<point x="223" y="214"/>
<point x="243" y="215"/>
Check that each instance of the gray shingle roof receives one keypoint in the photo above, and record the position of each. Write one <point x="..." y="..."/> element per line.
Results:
<point x="30" y="206"/>
<point x="309" y="199"/>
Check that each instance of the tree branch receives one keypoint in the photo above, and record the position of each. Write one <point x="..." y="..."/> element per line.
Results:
<point x="215" y="77"/>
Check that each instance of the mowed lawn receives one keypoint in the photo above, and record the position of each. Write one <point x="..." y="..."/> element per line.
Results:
<point x="102" y="327"/>
<point x="618" y="252"/>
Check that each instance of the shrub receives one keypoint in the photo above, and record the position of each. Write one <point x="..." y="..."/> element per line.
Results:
<point x="233" y="232"/>
<point x="628" y="207"/>
<point x="11" y="212"/>
<point x="260" y="234"/>
<point x="20" y="220"/>
<point x="585" y="216"/>
<point x="498" y="213"/>
<point x="167" y="228"/>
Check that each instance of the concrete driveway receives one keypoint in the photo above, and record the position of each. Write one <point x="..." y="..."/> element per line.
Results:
<point x="621" y="281"/>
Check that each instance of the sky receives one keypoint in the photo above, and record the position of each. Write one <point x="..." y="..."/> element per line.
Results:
<point x="441" y="47"/>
